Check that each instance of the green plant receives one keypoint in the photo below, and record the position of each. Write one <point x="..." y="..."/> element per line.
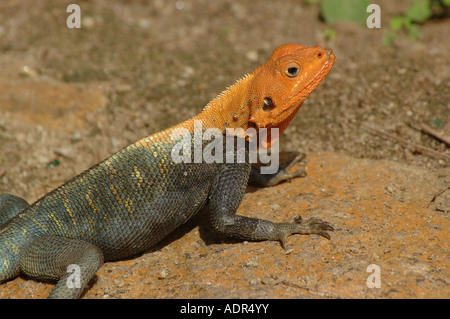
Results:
<point x="344" y="10"/>
<point x="329" y="34"/>
<point x="341" y="10"/>
<point x="418" y="12"/>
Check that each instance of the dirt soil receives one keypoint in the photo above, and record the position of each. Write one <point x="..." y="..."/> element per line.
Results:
<point x="71" y="97"/>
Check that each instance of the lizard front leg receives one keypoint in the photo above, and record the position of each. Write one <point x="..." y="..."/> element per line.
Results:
<point x="226" y="195"/>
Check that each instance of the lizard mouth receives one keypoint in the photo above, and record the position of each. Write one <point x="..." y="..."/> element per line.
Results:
<point x="296" y="100"/>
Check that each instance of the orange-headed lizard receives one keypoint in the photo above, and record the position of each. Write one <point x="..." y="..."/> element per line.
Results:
<point x="132" y="200"/>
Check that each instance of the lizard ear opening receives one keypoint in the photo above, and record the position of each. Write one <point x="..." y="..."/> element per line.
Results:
<point x="268" y="104"/>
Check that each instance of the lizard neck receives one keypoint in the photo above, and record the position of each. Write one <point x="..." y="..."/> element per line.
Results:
<point x="229" y="109"/>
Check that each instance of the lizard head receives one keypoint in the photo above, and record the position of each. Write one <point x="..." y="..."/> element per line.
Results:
<point x="281" y="85"/>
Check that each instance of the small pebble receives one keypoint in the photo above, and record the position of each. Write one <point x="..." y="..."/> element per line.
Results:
<point x="163" y="273"/>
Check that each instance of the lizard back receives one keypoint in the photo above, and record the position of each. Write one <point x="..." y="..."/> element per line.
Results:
<point x="123" y="205"/>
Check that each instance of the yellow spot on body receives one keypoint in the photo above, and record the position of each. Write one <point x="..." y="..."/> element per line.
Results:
<point x="91" y="203"/>
<point x="128" y="206"/>
<point x="39" y="224"/>
<point x="92" y="223"/>
<point x="53" y="217"/>
<point x="115" y="193"/>
<point x="69" y="211"/>
<point x="14" y="248"/>
<point x="6" y="263"/>
<point x="125" y="203"/>
<point x="138" y="176"/>
<point x="24" y="231"/>
<point x="136" y="172"/>
<point x="105" y="217"/>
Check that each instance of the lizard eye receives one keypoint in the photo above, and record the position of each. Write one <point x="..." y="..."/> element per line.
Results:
<point x="292" y="69"/>
<point x="268" y="104"/>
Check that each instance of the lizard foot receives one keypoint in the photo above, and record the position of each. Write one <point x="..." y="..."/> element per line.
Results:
<point x="264" y="180"/>
<point x="309" y="226"/>
<point x="285" y="176"/>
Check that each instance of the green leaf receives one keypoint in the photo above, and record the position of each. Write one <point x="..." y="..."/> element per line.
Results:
<point x="53" y="163"/>
<point x="446" y="3"/>
<point x="329" y="34"/>
<point x="398" y="22"/>
<point x="437" y="122"/>
<point x="226" y="29"/>
<point x="414" y="32"/>
<point x="345" y="10"/>
<point x="419" y="11"/>
<point x="389" y="37"/>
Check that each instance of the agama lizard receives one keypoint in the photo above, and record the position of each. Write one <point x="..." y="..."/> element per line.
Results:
<point x="129" y="202"/>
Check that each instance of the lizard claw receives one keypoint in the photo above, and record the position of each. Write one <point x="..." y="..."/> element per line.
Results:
<point x="298" y="158"/>
<point x="284" y="175"/>
<point x="298" y="225"/>
<point x="298" y="173"/>
<point x="296" y="219"/>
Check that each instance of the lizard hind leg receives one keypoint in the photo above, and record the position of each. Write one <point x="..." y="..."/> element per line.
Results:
<point x="70" y="262"/>
<point x="10" y="207"/>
